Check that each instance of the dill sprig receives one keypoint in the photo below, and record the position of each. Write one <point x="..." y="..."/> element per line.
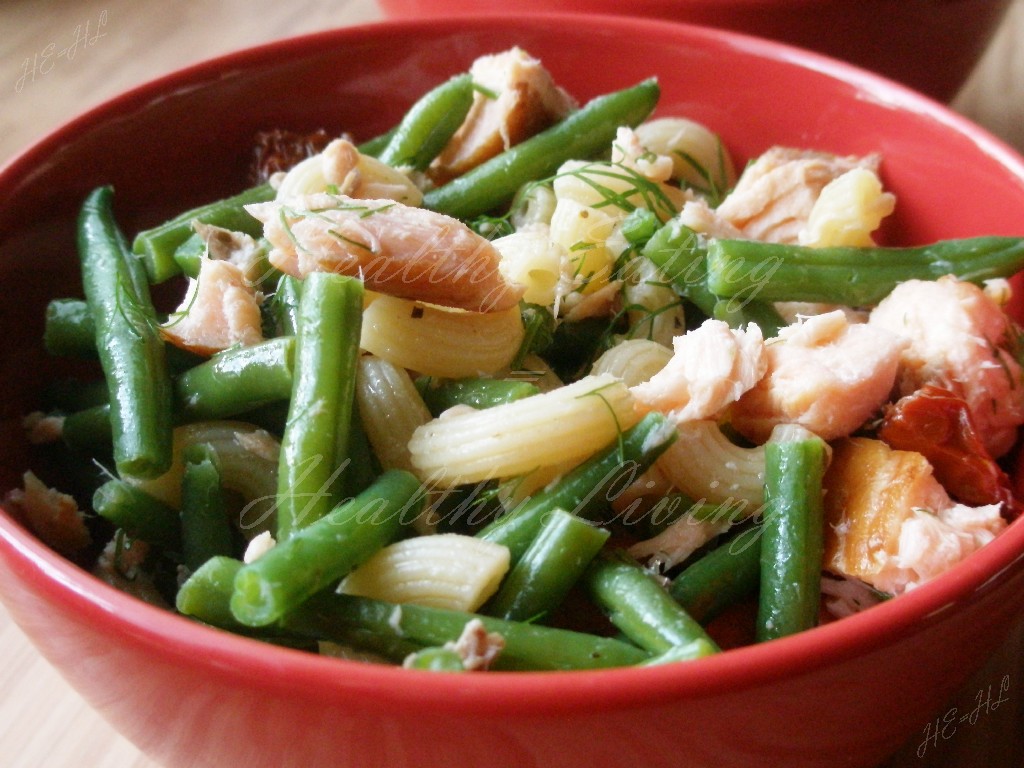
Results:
<point x="652" y="195"/>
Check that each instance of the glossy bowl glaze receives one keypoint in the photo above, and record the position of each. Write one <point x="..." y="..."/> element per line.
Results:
<point x="930" y="45"/>
<point x="848" y="693"/>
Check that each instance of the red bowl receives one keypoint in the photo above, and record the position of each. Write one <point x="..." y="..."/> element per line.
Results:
<point x="848" y="693"/>
<point x="930" y="45"/>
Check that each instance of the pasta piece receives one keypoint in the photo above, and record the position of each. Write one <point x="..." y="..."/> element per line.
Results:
<point x="633" y="360"/>
<point x="534" y="205"/>
<point x="509" y="440"/>
<point x="247" y="458"/>
<point x="699" y="159"/>
<point x="647" y="496"/>
<point x="447" y="570"/>
<point x="529" y="258"/>
<point x="704" y="464"/>
<point x="614" y="189"/>
<point x="583" y="232"/>
<point x="847" y="211"/>
<point x="390" y="408"/>
<point x="440" y="342"/>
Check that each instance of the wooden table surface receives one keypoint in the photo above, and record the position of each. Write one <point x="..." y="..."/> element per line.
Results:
<point x="60" y="57"/>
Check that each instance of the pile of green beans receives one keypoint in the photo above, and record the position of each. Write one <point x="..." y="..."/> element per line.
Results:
<point x="333" y="507"/>
<point x="329" y="505"/>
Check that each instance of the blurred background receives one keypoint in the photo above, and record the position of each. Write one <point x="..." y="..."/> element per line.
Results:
<point x="60" y="58"/>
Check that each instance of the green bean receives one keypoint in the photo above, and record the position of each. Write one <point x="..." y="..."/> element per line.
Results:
<point x="739" y="314"/>
<point x="206" y="593"/>
<point x="642" y="609"/>
<point x="237" y="380"/>
<point x="792" y="538"/>
<point x="320" y="553"/>
<point x="286" y="304"/>
<point x="582" y="134"/>
<point x="849" y="275"/>
<point x="362" y="467"/>
<point x="588" y="489"/>
<point x="205" y="531"/>
<point x="88" y="430"/>
<point x="189" y="255"/>
<point x="539" y="332"/>
<point x="217" y="389"/>
<point x="259" y="271"/>
<point x="476" y="393"/>
<point x="429" y="124"/>
<point x="548" y="569"/>
<point x="139" y="514"/>
<point x="695" y="649"/>
<point x="640" y="225"/>
<point x="129" y="346"/>
<point x="681" y="255"/>
<point x="373" y="147"/>
<point x="576" y="344"/>
<point x="69" y="330"/>
<point x="719" y="579"/>
<point x="316" y="435"/>
<point x="527" y="646"/>
<point x="156" y="246"/>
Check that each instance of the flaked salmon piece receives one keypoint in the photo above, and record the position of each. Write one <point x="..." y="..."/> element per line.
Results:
<point x="796" y="311"/>
<point x="221" y="309"/>
<point x="411" y="253"/>
<point x="477" y="647"/>
<point x="956" y="338"/>
<point x="825" y="373"/>
<point x="711" y="367"/>
<point x="890" y="523"/>
<point x="681" y="539"/>
<point x="703" y="219"/>
<point x="774" y="196"/>
<point x="844" y="597"/>
<point x="122" y="565"/>
<point x="343" y="169"/>
<point x="237" y="248"/>
<point x="603" y="302"/>
<point x="53" y="516"/>
<point x="43" y="428"/>
<point x="515" y="99"/>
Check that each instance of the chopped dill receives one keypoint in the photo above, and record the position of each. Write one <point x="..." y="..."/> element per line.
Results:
<point x="349" y="241"/>
<point x="598" y="393"/>
<point x="650" y="193"/>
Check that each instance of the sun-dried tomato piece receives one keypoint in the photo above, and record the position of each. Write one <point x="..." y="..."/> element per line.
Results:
<point x="278" y="150"/>
<point x="937" y="424"/>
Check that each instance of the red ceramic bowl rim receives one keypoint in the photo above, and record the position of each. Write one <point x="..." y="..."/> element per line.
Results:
<point x="284" y="670"/>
